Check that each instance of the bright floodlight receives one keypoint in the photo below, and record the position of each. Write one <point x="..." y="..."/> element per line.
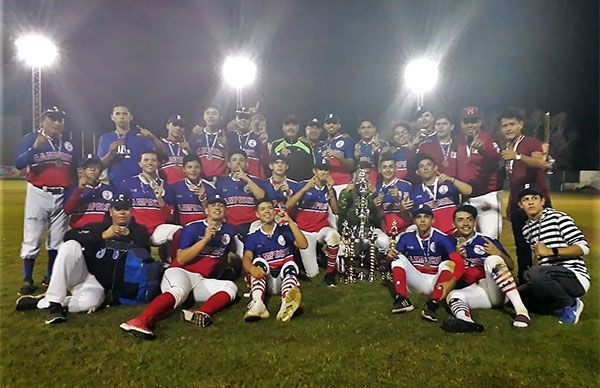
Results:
<point x="239" y="72"/>
<point x="421" y="75"/>
<point x="36" y="50"/>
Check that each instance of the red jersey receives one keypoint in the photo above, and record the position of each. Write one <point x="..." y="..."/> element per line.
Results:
<point x="210" y="150"/>
<point x="480" y="168"/>
<point x="172" y="166"/>
<point x="444" y="155"/>
<point x="313" y="209"/>
<point x="519" y="173"/>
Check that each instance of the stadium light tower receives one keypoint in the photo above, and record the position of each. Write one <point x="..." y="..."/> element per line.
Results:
<point x="239" y="72"/>
<point x="37" y="51"/>
<point x="421" y="75"/>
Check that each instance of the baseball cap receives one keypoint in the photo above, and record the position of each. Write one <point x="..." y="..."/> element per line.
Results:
<point x="90" y="160"/>
<point x="291" y="119"/>
<point x="279" y="156"/>
<point x="421" y="111"/>
<point x="530" y="189"/>
<point x="54" y="113"/>
<point x="323" y="165"/>
<point x="422" y="209"/>
<point x="314" y="122"/>
<point x="332" y="118"/>
<point x="121" y="202"/>
<point x="176" y="119"/>
<point x="243" y="113"/>
<point x="470" y="113"/>
<point x="216" y="199"/>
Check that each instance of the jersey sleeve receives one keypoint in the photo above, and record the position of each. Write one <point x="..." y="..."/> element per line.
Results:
<point x="402" y="242"/>
<point x="250" y="243"/>
<point x="25" y="152"/>
<point x="348" y="148"/>
<point x="103" y="146"/>
<point x="498" y="245"/>
<point x="189" y="236"/>
<point x="448" y="245"/>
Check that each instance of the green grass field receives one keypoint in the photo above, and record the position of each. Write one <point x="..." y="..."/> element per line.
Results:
<point x="345" y="337"/>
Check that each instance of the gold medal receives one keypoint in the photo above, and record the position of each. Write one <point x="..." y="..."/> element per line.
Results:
<point x="445" y="163"/>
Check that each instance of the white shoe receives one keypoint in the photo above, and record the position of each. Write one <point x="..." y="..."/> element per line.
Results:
<point x="289" y="305"/>
<point x="256" y="311"/>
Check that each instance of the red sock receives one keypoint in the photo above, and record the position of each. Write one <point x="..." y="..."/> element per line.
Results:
<point x="399" y="275"/>
<point x="438" y="289"/>
<point x="217" y="302"/>
<point x="331" y="253"/>
<point x="159" y="306"/>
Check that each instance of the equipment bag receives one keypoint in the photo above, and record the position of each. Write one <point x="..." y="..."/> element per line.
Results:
<point x="141" y="277"/>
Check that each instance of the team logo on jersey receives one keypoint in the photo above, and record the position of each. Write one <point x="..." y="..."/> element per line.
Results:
<point x="339" y="143"/>
<point x="247" y="189"/>
<point x="453" y="155"/>
<point x="100" y="253"/>
<point x="432" y="247"/>
<point x="68" y="146"/>
<point x="252" y="143"/>
<point x="107" y="195"/>
<point x="225" y="239"/>
<point x="443" y="189"/>
<point x="480" y="250"/>
<point x="281" y="240"/>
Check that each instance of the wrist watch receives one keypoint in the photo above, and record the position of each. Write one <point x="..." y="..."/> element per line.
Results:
<point x="555" y="252"/>
<point x="518" y="157"/>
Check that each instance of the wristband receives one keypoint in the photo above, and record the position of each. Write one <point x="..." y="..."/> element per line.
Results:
<point x="518" y="157"/>
<point x="555" y="252"/>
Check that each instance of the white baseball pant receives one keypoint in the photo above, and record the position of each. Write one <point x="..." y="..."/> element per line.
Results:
<point x="489" y="218"/>
<point x="180" y="282"/>
<point x="484" y="294"/>
<point x="309" y="255"/>
<point x="417" y="281"/>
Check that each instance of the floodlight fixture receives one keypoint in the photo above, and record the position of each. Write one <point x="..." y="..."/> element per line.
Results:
<point x="239" y="72"/>
<point x="420" y="76"/>
<point x="36" y="50"/>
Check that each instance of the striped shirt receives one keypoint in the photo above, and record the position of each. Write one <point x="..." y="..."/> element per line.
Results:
<point x="558" y="230"/>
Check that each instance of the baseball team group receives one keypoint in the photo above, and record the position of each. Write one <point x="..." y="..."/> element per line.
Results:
<point x="215" y="194"/>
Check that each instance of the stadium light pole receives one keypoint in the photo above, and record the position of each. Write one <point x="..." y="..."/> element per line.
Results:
<point x="239" y="72"/>
<point x="421" y="75"/>
<point x="36" y="51"/>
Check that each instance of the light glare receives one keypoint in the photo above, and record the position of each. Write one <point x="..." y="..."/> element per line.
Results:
<point x="36" y="50"/>
<point x="421" y="75"/>
<point x="239" y="72"/>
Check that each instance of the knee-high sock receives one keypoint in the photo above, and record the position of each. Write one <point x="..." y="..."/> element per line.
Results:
<point x="28" y="268"/>
<point x="257" y="288"/>
<point x="217" y="302"/>
<point x="159" y="307"/>
<point x="506" y="283"/>
<point x="460" y="309"/>
<point x="399" y="275"/>
<point x="331" y="253"/>
<point x="287" y="284"/>
<point x="51" y="258"/>
<point x="442" y="285"/>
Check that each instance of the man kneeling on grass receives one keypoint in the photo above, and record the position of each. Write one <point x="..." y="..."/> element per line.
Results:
<point x="203" y="245"/>
<point x="426" y="261"/>
<point x="268" y="257"/>
<point x="486" y="280"/>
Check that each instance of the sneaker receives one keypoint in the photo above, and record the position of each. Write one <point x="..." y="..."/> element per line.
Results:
<point x="289" y="305"/>
<point x="137" y="328"/>
<point x="402" y="305"/>
<point x="570" y="315"/>
<point x="46" y="280"/>
<point x="430" y="311"/>
<point x="521" y="320"/>
<point x="455" y="325"/>
<point x="27" y="288"/>
<point x="330" y="279"/>
<point x="256" y="311"/>
<point x="56" y="314"/>
<point x="198" y="318"/>
<point x="28" y="302"/>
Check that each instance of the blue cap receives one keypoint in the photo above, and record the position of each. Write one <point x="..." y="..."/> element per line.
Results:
<point x="176" y="119"/>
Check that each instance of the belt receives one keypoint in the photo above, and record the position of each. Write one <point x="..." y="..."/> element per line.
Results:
<point x="54" y="190"/>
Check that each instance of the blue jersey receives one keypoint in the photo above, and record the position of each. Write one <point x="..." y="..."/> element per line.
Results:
<point x="276" y="249"/>
<point x="426" y="254"/>
<point x="254" y="148"/>
<point x="146" y="208"/>
<point x="124" y="166"/>
<point x="275" y="194"/>
<point x="241" y="203"/>
<point x="87" y="205"/>
<point x="53" y="164"/>
<point x="344" y="144"/>
<point x="442" y="198"/>
<point x="476" y="255"/>
<point x="313" y="208"/>
<point x="211" y="152"/>
<point x="391" y="206"/>
<point x="187" y="204"/>
<point x="364" y="152"/>
<point x="215" y="251"/>
<point x="172" y="164"/>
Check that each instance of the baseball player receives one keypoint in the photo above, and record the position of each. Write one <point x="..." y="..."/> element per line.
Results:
<point x="425" y="122"/>
<point x="312" y="132"/>
<point x="174" y="149"/>
<point x="392" y="196"/>
<point x="486" y="280"/>
<point x="441" y="147"/>
<point x="438" y="191"/>
<point x="400" y="148"/>
<point x="368" y="148"/>
<point x="314" y="198"/>
<point x="120" y="150"/>
<point x="203" y="247"/>
<point x="85" y="264"/>
<point x="89" y="201"/>
<point x="268" y="258"/>
<point x="479" y="159"/>
<point x="424" y="260"/>
<point x="247" y="141"/>
<point x="51" y="162"/>
<point x="210" y="144"/>
<point x="190" y="194"/>
<point x="298" y="151"/>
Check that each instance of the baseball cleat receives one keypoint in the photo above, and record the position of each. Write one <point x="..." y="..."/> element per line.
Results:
<point x="46" y="280"/>
<point x="429" y="311"/>
<point x="198" y="318"/>
<point x="56" y="314"/>
<point x="521" y="320"/>
<point x="330" y="279"/>
<point x="27" y="288"/>
<point x="570" y="315"/>
<point x="402" y="305"/>
<point x="28" y="302"/>
<point x="289" y="305"/>
<point x="138" y="329"/>
<point x="256" y="311"/>
<point x="455" y="325"/>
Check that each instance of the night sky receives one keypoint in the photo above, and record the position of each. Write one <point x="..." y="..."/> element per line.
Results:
<point x="162" y="57"/>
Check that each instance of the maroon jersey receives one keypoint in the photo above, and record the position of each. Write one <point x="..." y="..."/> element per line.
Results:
<point x="519" y="173"/>
<point x="444" y="155"/>
<point x="480" y="168"/>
